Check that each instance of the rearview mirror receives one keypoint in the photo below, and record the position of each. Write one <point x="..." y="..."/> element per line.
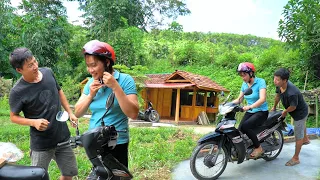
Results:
<point x="247" y="91"/>
<point x="110" y="101"/>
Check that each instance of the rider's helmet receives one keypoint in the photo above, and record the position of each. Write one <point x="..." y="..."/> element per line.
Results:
<point x="98" y="48"/>
<point x="246" y="67"/>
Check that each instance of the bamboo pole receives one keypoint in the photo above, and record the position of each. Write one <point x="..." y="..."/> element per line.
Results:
<point x="305" y="81"/>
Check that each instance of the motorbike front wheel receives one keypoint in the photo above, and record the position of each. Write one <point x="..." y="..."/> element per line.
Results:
<point x="154" y="116"/>
<point x="202" y="163"/>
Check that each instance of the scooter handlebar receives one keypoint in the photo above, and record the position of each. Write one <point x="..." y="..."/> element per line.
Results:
<point x="122" y="131"/>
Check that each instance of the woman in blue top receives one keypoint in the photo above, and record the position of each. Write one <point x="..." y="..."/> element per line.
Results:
<point x="257" y="107"/>
<point x="99" y="58"/>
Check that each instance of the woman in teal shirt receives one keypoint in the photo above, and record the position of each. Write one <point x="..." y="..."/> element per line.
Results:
<point x="100" y="57"/>
<point x="257" y="107"/>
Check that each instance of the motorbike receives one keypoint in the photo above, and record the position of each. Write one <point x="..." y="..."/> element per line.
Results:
<point x="228" y="144"/>
<point x="10" y="171"/>
<point x="149" y="114"/>
<point x="94" y="141"/>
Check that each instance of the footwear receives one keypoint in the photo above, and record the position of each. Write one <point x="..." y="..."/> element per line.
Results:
<point x="255" y="154"/>
<point x="306" y="143"/>
<point x="292" y="162"/>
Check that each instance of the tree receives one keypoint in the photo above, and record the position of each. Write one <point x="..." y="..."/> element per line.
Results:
<point x="103" y="17"/>
<point x="300" y="28"/>
<point x="128" y="45"/>
<point x="45" y="29"/>
<point x="8" y="37"/>
<point x="176" y="27"/>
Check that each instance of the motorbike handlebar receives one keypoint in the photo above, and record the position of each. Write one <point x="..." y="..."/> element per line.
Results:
<point x="122" y="131"/>
<point x="73" y="142"/>
<point x="63" y="143"/>
<point x="241" y="109"/>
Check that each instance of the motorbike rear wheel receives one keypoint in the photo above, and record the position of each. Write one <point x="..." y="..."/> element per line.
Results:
<point x="154" y="116"/>
<point x="201" y="162"/>
<point x="276" y="136"/>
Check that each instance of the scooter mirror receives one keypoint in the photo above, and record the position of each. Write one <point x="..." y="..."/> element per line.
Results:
<point x="62" y="116"/>
<point x="247" y="91"/>
<point x="110" y="101"/>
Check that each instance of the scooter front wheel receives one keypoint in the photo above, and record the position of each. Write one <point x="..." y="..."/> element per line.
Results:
<point x="154" y="116"/>
<point x="207" y="162"/>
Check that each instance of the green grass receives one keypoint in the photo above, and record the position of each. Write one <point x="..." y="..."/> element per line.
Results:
<point x="153" y="152"/>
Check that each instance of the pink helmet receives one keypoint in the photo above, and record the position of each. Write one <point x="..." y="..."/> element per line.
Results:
<point x="95" y="47"/>
<point x="246" y="67"/>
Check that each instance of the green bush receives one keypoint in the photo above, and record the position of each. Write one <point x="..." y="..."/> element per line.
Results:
<point x="5" y="86"/>
<point x="71" y="89"/>
<point x="4" y="106"/>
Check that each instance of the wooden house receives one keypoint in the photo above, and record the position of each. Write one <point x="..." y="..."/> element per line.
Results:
<point x="182" y="95"/>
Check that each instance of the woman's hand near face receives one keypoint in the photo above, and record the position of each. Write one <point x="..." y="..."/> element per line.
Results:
<point x="109" y="80"/>
<point x="94" y="87"/>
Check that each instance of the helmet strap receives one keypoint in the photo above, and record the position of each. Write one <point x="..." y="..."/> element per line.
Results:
<point x="251" y="76"/>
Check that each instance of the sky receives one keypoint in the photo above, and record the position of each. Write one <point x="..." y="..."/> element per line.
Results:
<point x="255" y="17"/>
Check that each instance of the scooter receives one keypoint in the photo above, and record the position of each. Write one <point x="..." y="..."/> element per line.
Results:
<point x="9" y="171"/>
<point x="94" y="141"/>
<point x="228" y="144"/>
<point x="149" y="114"/>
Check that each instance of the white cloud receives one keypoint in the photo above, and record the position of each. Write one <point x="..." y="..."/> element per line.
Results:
<point x="73" y="12"/>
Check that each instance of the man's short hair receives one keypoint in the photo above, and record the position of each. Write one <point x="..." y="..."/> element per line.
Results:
<point x="19" y="56"/>
<point x="283" y="73"/>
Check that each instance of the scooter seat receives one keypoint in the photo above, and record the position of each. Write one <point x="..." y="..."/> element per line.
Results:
<point x="17" y="172"/>
<point x="272" y="117"/>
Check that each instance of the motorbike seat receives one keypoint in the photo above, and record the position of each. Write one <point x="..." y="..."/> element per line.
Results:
<point x="18" y="172"/>
<point x="272" y="117"/>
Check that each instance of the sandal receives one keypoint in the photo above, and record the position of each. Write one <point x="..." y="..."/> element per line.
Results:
<point x="255" y="154"/>
<point x="306" y="143"/>
<point x="292" y="163"/>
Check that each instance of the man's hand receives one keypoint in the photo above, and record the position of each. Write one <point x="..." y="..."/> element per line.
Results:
<point x="284" y="113"/>
<point x="73" y="120"/>
<point x="273" y="109"/>
<point x="41" y="124"/>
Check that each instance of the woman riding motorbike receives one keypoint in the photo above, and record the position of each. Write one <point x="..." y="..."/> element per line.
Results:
<point x="256" y="108"/>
